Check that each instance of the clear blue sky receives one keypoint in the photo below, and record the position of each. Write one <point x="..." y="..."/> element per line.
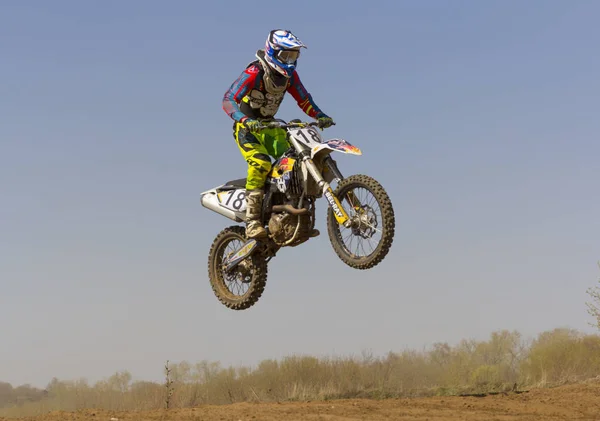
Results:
<point x="480" y="118"/>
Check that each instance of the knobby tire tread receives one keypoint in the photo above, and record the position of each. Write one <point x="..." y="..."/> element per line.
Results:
<point x="389" y="222"/>
<point x="256" y="285"/>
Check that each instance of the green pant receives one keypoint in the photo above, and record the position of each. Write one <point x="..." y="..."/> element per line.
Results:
<point x="257" y="149"/>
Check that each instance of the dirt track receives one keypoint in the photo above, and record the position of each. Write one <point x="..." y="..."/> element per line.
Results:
<point x="580" y="402"/>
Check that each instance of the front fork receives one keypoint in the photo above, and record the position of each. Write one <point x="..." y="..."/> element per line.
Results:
<point x="332" y="166"/>
<point x="338" y="211"/>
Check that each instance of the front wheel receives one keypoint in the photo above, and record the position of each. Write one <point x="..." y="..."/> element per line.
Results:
<point x="243" y="286"/>
<point x="373" y="222"/>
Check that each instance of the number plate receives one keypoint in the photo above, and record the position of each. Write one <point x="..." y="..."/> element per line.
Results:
<point x="308" y="136"/>
<point x="233" y="199"/>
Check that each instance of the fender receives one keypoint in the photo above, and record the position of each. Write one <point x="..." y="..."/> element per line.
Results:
<point x="228" y="200"/>
<point x="339" y="145"/>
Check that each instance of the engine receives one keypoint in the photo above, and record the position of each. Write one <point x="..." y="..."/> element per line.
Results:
<point x="286" y="182"/>
<point x="284" y="229"/>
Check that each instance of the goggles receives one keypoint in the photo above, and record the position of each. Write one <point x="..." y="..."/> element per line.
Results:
<point x="288" y="56"/>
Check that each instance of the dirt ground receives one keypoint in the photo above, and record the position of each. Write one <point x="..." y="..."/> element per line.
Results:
<point x="577" y="402"/>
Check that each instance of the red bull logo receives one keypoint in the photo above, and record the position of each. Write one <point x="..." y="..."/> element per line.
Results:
<point x="285" y="165"/>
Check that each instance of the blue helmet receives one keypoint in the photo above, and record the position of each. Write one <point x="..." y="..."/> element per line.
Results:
<point x="282" y="50"/>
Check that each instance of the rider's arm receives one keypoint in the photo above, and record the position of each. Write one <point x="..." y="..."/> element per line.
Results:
<point x="236" y="92"/>
<point x="303" y="98"/>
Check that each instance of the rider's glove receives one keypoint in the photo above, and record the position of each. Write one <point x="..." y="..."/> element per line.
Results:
<point x="251" y="125"/>
<point x="325" y="121"/>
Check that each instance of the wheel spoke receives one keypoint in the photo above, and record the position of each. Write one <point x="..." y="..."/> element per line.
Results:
<point x="368" y="238"/>
<point x="364" y="229"/>
<point x="242" y="286"/>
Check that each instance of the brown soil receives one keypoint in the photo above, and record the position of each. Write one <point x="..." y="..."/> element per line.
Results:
<point x="575" y="402"/>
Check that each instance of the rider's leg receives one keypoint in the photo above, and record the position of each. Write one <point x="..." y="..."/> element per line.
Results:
<point x="259" y="165"/>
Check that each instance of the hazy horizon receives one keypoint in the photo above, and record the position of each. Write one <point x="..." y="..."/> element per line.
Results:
<point x="479" y="118"/>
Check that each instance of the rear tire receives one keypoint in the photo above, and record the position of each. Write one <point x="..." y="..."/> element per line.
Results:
<point x="255" y="280"/>
<point x="387" y="223"/>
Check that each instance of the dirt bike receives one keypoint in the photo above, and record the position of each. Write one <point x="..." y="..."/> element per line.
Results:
<point x="301" y="175"/>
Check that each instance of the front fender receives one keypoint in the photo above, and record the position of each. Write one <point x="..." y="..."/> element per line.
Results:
<point x="339" y="145"/>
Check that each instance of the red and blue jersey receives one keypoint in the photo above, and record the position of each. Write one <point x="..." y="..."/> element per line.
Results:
<point x="247" y="97"/>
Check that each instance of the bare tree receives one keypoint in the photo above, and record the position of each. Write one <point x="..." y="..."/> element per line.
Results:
<point x="594" y="306"/>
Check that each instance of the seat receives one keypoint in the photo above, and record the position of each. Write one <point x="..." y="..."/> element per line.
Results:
<point x="240" y="183"/>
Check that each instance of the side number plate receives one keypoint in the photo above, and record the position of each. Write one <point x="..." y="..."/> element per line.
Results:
<point x="233" y="199"/>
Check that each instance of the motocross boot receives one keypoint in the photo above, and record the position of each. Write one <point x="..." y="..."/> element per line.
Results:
<point x="254" y="227"/>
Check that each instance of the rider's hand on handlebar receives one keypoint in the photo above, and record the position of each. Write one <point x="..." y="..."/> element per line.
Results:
<point x="325" y="122"/>
<point x="252" y="125"/>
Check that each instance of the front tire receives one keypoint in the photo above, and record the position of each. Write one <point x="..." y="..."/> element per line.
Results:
<point x="251" y="272"/>
<point x="365" y="225"/>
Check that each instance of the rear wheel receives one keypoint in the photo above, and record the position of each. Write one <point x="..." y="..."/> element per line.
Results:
<point x="242" y="287"/>
<point x="366" y="243"/>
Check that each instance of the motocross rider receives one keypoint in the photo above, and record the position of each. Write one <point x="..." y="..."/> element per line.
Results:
<point x="256" y="96"/>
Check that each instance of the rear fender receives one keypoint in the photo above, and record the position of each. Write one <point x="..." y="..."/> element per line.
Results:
<point x="227" y="201"/>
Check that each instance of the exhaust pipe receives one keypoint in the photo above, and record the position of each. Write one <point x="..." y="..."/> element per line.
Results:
<point x="210" y="201"/>
<point x="290" y="209"/>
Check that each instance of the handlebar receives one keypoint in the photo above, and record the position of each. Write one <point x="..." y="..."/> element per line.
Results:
<point x="279" y="123"/>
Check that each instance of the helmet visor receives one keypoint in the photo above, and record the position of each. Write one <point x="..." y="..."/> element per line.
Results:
<point x="288" y="56"/>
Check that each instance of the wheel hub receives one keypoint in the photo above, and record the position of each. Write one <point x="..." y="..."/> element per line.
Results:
<point x="364" y="224"/>
<point x="244" y="271"/>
